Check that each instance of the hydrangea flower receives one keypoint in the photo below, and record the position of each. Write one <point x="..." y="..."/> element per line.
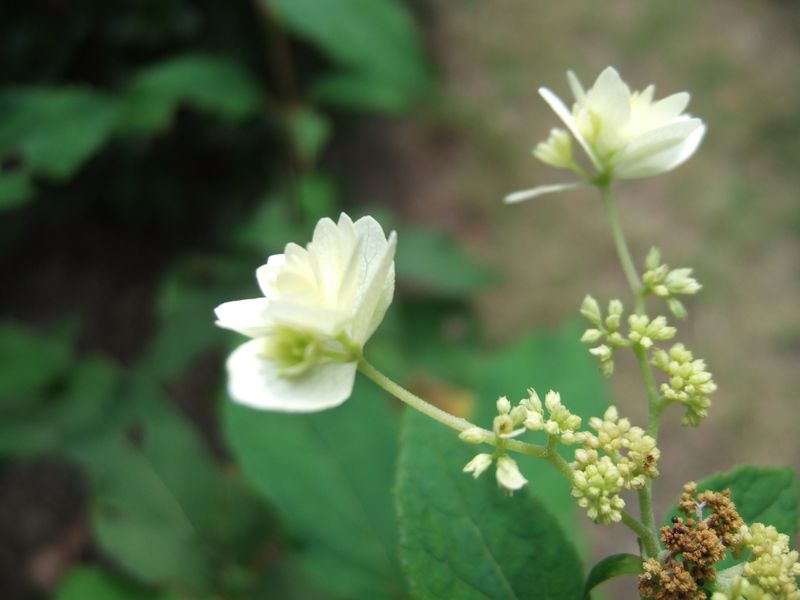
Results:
<point x="625" y="134"/>
<point x="321" y="304"/>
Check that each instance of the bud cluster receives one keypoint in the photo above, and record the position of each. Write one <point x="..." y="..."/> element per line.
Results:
<point x="689" y="382"/>
<point x="605" y="330"/>
<point x="634" y="453"/>
<point x="629" y="458"/>
<point x="560" y="421"/>
<point x="642" y="331"/>
<point x="772" y="569"/>
<point x="666" y="283"/>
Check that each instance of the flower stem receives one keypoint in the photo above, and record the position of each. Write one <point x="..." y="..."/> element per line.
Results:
<point x="622" y="246"/>
<point x="452" y="421"/>
<point x="655" y="405"/>
<point x="645" y="533"/>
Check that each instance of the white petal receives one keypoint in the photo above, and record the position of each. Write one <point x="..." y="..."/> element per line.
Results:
<point x="267" y="274"/>
<point x="310" y="317"/>
<point x="508" y="475"/>
<point x="576" y="87"/>
<point x="541" y="190"/>
<point x="658" y="140"/>
<point x="664" y="161"/>
<point x="376" y="288"/>
<point x="566" y="116"/>
<point x="248" y="317"/>
<point x="668" y="108"/>
<point x="609" y="98"/>
<point x="255" y="382"/>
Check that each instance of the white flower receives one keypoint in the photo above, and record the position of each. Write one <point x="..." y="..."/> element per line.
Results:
<point x="625" y="135"/>
<point x="320" y="306"/>
<point x="508" y="476"/>
<point x="478" y="464"/>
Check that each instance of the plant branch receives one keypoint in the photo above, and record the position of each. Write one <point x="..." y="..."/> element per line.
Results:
<point x="452" y="421"/>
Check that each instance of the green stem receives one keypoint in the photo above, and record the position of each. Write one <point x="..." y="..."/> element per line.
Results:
<point x="645" y="533"/>
<point x="444" y="417"/>
<point x="655" y="405"/>
<point x="622" y="246"/>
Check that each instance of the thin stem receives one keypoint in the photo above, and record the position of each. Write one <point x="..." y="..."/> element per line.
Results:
<point x="621" y="245"/>
<point x="445" y="418"/>
<point x="646" y="534"/>
<point x="655" y="405"/>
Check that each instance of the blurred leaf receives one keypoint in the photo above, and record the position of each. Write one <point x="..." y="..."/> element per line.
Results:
<point x="438" y="263"/>
<point x="80" y="407"/>
<point x="270" y="228"/>
<point x="317" y="197"/>
<point x="91" y="583"/>
<point x="28" y="363"/>
<point x="462" y="538"/>
<point x="15" y="189"/>
<point x="205" y="82"/>
<point x="185" y="307"/>
<point x="616" y="565"/>
<point x="762" y="495"/>
<point x="360" y="92"/>
<point x="547" y="360"/>
<point x="309" y="131"/>
<point x="156" y="493"/>
<point x="55" y="130"/>
<point x="330" y="476"/>
<point x="375" y="41"/>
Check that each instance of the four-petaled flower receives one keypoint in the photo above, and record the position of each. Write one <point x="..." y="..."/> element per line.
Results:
<point x="321" y="304"/>
<point x="625" y="134"/>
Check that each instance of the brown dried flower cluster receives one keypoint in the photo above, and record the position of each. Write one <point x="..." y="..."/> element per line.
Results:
<point x="694" y="544"/>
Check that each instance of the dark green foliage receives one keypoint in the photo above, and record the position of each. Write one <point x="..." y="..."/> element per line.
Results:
<point x="463" y="539"/>
<point x="610" y="567"/>
<point x="329" y="475"/>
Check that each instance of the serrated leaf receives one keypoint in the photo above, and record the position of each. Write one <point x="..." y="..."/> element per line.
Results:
<point x="546" y="360"/>
<point x="465" y="539"/>
<point x="211" y="83"/>
<point x="437" y="263"/>
<point x="55" y="130"/>
<point x="766" y="495"/>
<point x="90" y="583"/>
<point x="329" y="475"/>
<point x="616" y="565"/>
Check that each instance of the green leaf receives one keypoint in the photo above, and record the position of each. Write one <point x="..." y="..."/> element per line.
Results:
<point x="464" y="539"/>
<point x="437" y="263"/>
<point x="547" y="360"/>
<point x="28" y="363"/>
<point x="55" y="130"/>
<point x="15" y="189"/>
<point x="762" y="495"/>
<point x="329" y="475"/>
<point x="317" y="197"/>
<point x="90" y="583"/>
<point x="616" y="565"/>
<point x="156" y="494"/>
<point x="211" y="83"/>
<point x="309" y="131"/>
<point x="374" y="41"/>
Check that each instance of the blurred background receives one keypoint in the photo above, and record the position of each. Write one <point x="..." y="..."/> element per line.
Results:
<point x="154" y="152"/>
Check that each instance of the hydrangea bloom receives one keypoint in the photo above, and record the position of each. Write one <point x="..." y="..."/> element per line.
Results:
<point x="321" y="304"/>
<point x="625" y="134"/>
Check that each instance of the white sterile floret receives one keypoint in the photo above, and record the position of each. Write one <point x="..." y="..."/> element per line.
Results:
<point x="625" y="134"/>
<point x="478" y="464"/>
<point x="321" y="304"/>
<point x="508" y="475"/>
